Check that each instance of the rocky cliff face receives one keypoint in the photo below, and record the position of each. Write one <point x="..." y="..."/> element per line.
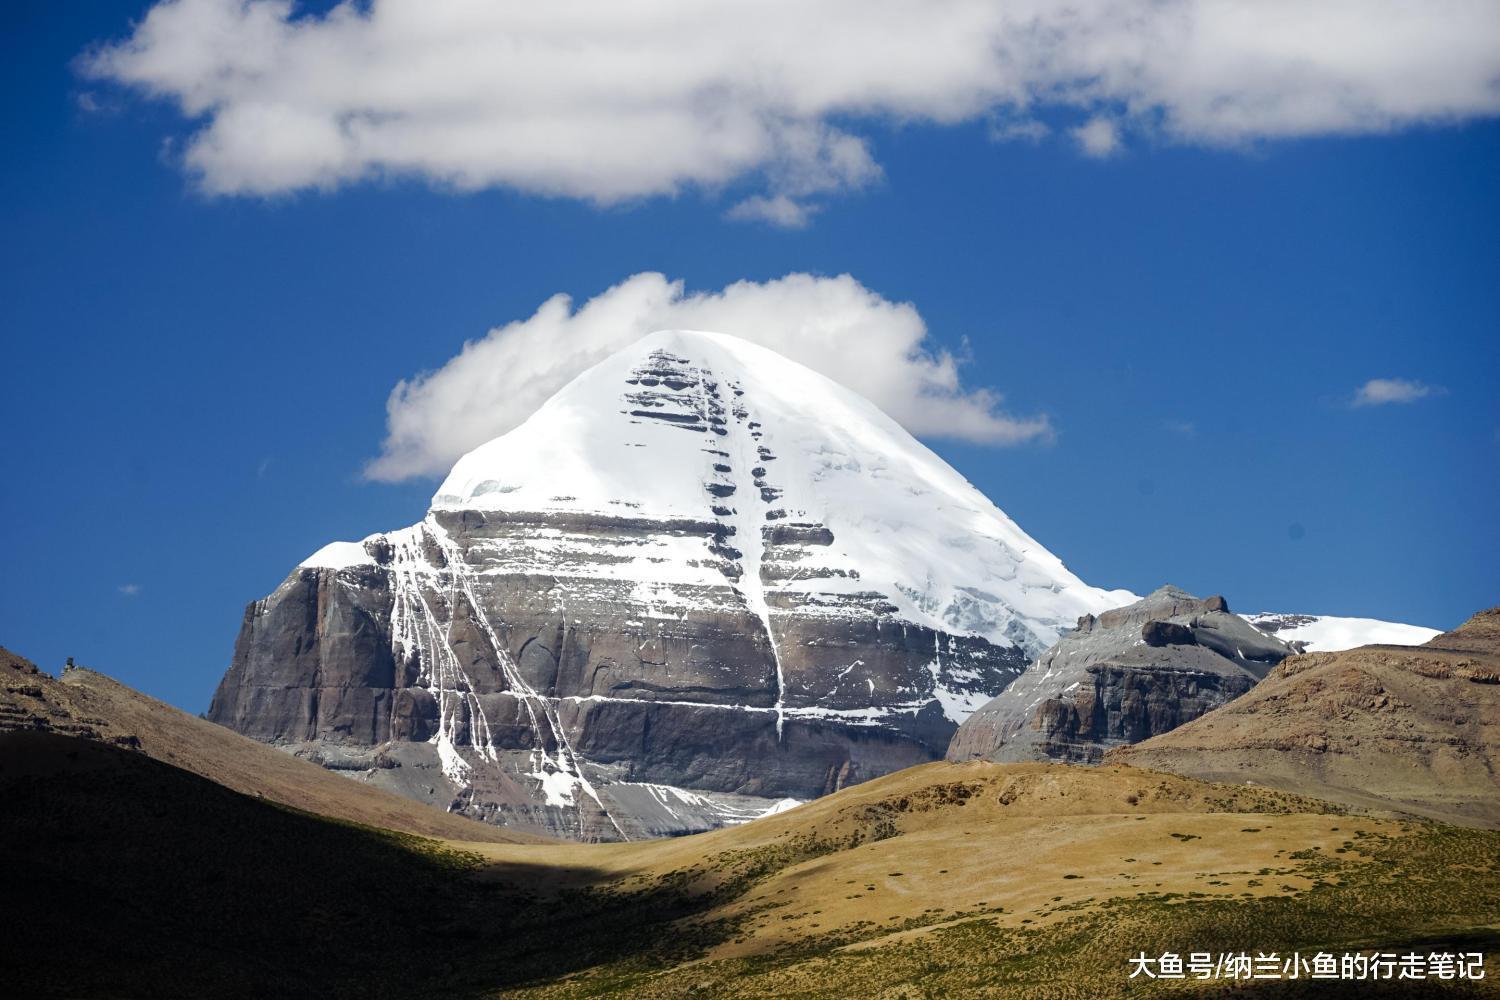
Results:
<point x="1120" y="677"/>
<point x="700" y="581"/>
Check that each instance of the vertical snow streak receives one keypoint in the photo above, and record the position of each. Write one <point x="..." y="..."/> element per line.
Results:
<point x="414" y="625"/>
<point x="567" y="759"/>
<point x="752" y="545"/>
<point x="753" y="589"/>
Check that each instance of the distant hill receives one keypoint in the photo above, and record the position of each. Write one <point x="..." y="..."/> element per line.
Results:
<point x="90" y="705"/>
<point x="1413" y="729"/>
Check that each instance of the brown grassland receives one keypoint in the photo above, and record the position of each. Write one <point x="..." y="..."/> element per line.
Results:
<point x="136" y="878"/>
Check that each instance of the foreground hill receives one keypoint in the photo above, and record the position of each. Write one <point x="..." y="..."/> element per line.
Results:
<point x="92" y="706"/>
<point x="126" y="876"/>
<point x="1410" y="728"/>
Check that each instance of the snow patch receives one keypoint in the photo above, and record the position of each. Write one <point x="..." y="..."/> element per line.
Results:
<point x="780" y="807"/>
<point x="1330" y="634"/>
<point x="339" y="555"/>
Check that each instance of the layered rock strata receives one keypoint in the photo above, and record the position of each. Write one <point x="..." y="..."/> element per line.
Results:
<point x="1121" y="677"/>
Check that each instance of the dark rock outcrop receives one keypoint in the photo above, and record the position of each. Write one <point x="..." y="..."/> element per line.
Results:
<point x="1120" y="677"/>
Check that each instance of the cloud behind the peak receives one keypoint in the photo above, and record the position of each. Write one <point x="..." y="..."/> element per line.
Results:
<point x="834" y="325"/>
<point x="606" y="101"/>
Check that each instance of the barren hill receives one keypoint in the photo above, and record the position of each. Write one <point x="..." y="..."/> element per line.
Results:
<point x="87" y="704"/>
<point x="1412" y="729"/>
<point x="978" y="879"/>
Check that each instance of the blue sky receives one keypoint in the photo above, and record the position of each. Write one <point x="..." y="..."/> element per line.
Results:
<point x="196" y="381"/>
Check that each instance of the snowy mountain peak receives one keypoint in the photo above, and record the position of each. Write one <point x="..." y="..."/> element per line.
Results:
<point x="708" y="429"/>
<point x="699" y="580"/>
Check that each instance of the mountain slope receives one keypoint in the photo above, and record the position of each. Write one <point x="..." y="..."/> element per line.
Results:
<point x="1410" y="729"/>
<point x="699" y="580"/>
<point x="92" y="706"/>
<point x="137" y="878"/>
<point x="1120" y="677"/>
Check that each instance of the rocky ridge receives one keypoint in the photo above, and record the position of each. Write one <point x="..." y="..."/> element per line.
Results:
<point x="1122" y="676"/>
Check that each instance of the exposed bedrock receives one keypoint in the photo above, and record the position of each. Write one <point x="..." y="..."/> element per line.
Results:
<point x="686" y="695"/>
<point x="1120" y="677"/>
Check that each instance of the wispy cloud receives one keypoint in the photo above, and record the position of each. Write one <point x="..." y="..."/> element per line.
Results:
<point x="837" y="326"/>
<point x="1382" y="391"/>
<point x="1018" y="129"/>
<point x="787" y="213"/>
<point x="129" y="589"/>
<point x="611" y="101"/>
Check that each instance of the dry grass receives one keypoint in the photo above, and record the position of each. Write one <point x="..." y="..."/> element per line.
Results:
<point x="1028" y="881"/>
<point x="84" y="699"/>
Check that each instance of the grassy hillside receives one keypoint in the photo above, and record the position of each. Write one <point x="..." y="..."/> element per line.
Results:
<point x="1039" y="881"/>
<point x="86" y="703"/>
<point x="134" y="878"/>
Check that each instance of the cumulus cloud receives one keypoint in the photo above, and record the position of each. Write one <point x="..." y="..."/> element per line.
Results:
<point x="607" y="101"/>
<point x="1379" y="391"/>
<point x="1098" y="137"/>
<point x="835" y="325"/>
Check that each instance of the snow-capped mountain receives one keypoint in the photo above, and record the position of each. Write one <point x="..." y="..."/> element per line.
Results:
<point x="700" y="580"/>
<point x="1330" y="634"/>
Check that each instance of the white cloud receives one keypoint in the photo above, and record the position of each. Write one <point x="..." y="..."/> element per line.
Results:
<point x="607" y="101"/>
<point x="129" y="589"/>
<point x="788" y="213"/>
<point x="836" y="325"/>
<point x="1379" y="391"/>
<point x="1023" y="129"/>
<point x="1098" y="137"/>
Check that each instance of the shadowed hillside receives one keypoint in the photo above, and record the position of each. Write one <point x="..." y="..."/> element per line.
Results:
<point x="89" y="704"/>
<point x="135" y="878"/>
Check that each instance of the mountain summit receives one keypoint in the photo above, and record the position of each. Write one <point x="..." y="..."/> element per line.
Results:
<point x="699" y="580"/>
